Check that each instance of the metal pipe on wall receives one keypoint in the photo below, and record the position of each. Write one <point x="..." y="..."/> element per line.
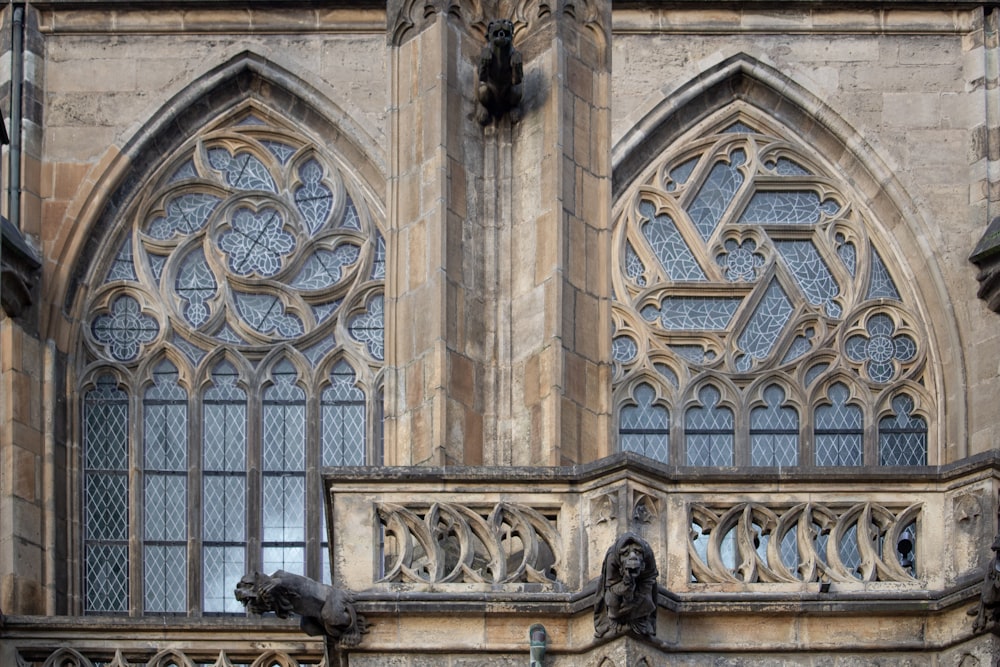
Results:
<point x="16" y="90"/>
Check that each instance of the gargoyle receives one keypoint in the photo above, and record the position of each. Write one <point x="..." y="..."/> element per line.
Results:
<point x="627" y="589"/>
<point x="324" y="610"/>
<point x="500" y="75"/>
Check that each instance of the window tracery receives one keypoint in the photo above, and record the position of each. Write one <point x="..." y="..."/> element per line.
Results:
<point x="241" y="304"/>
<point x="743" y="255"/>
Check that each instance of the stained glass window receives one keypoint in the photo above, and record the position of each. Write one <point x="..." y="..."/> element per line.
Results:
<point x="224" y="444"/>
<point x="774" y="431"/>
<point x="165" y="500"/>
<point x="252" y="238"/>
<point x="742" y="255"/>
<point x="106" y="518"/>
<point x="709" y="431"/>
<point x="343" y="419"/>
<point x="902" y="437"/>
<point x="645" y="427"/>
<point x="284" y="444"/>
<point x="838" y="431"/>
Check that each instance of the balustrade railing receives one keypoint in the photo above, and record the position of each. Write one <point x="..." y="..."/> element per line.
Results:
<point x="853" y="541"/>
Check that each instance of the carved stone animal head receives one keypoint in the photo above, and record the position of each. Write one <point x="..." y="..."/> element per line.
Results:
<point x="500" y="33"/>
<point x="259" y="594"/>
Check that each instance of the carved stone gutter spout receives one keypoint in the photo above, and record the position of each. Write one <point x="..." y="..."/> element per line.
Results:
<point x="324" y="610"/>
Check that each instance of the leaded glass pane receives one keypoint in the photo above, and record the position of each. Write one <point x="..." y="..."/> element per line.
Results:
<point x="739" y="128"/>
<point x="850" y="555"/>
<point x="105" y="433"/>
<point x="224" y="489"/>
<point x="378" y="262"/>
<point x="315" y="353"/>
<point x="256" y="243"/>
<point x="281" y="151"/>
<point x="669" y="246"/>
<point x="284" y="421"/>
<point x="313" y="198"/>
<point x="106" y="516"/>
<point x="838" y="430"/>
<point x="165" y="579"/>
<point x="351" y="218"/>
<point x="325" y="268"/>
<point x="644" y="428"/>
<point x="123" y="268"/>
<point x="680" y="174"/>
<point x="284" y="508"/>
<point x="185" y="171"/>
<point x="222" y="568"/>
<point x="368" y="327"/>
<point x="882" y="285"/>
<point x="902" y="437"/>
<point x="265" y="313"/>
<point x="848" y="253"/>
<point x="623" y="349"/>
<point x="243" y="171"/>
<point x="693" y="313"/>
<point x="195" y="285"/>
<point x="800" y="345"/>
<point x="288" y="558"/>
<point x="785" y="167"/>
<point x="765" y="325"/>
<point x="811" y="273"/>
<point x="774" y="431"/>
<point x="106" y="495"/>
<point x="343" y="419"/>
<point x="634" y="268"/>
<point x="716" y="194"/>
<point x="741" y="261"/>
<point x="708" y="431"/>
<point x="667" y="373"/>
<point x="125" y="329"/>
<point x="192" y="351"/>
<point x="165" y="500"/>
<point x="156" y="264"/>
<point x="186" y="214"/>
<point x="784" y="208"/>
<point x="106" y="577"/>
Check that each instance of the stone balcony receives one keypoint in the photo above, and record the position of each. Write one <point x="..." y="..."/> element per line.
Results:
<point x="753" y="564"/>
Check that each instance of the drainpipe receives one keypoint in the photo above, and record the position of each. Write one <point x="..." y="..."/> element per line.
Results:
<point x="16" y="88"/>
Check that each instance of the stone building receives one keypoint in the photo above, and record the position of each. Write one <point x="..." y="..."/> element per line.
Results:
<point x="276" y="299"/>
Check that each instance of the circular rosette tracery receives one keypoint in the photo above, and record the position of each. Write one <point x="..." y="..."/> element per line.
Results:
<point x="881" y="345"/>
<point x="253" y="237"/>
<point x="122" y="326"/>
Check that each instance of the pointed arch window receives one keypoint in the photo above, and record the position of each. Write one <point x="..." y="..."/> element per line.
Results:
<point x="744" y="255"/>
<point x="645" y="425"/>
<point x="240" y="297"/>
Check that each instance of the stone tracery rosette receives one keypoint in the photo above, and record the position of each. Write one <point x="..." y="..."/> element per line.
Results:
<point x="251" y="238"/>
<point x="740" y="255"/>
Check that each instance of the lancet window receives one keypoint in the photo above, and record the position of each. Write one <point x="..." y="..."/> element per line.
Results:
<point x="759" y="317"/>
<point x="233" y="347"/>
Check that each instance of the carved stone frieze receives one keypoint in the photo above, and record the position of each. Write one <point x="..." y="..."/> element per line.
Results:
<point x="452" y="543"/>
<point x="751" y="543"/>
